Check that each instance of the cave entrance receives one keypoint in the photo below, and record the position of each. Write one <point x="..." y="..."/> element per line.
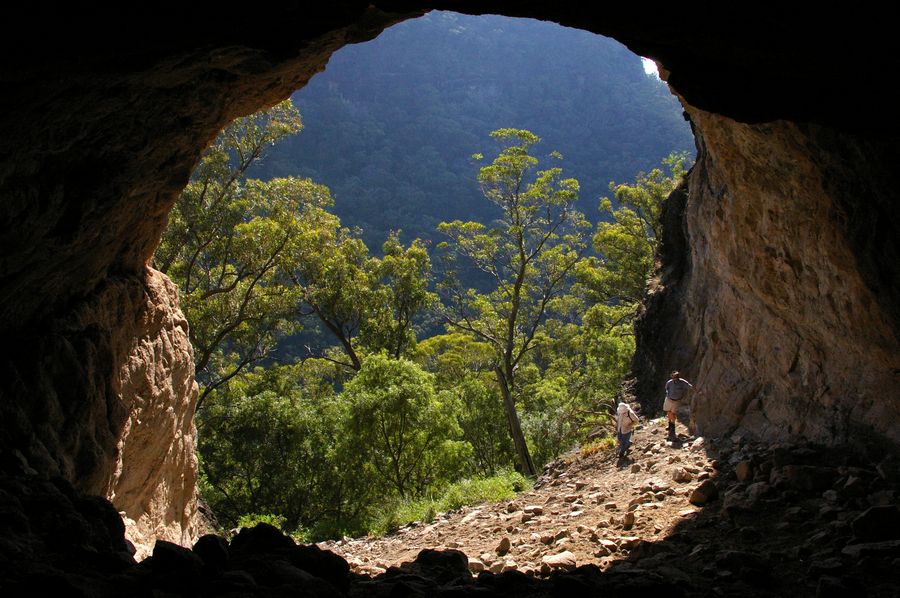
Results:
<point x="389" y="133"/>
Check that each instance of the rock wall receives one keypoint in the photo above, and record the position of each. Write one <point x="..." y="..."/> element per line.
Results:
<point x="771" y="313"/>
<point x="153" y="481"/>
<point x="110" y="402"/>
<point x="786" y="309"/>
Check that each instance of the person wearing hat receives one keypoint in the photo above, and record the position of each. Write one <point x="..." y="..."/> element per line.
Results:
<point x="626" y="418"/>
<point x="676" y="390"/>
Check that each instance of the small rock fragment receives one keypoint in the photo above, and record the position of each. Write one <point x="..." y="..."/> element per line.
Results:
<point x="705" y="492"/>
<point x="564" y="560"/>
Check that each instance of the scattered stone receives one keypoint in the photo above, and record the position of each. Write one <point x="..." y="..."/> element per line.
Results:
<point x="534" y="509"/>
<point x="610" y="506"/>
<point x="470" y="517"/>
<point x="635" y="467"/>
<point x="744" y="471"/>
<point x="564" y="560"/>
<point x="628" y="520"/>
<point x="757" y="491"/>
<point x="509" y="566"/>
<point x="704" y="493"/>
<point x="628" y="542"/>
<point x="639" y="500"/>
<point x="503" y="547"/>
<point x="806" y="478"/>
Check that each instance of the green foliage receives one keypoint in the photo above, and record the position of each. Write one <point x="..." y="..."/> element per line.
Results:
<point x="549" y="420"/>
<point x="367" y="304"/>
<point x="528" y="255"/>
<point x="407" y="428"/>
<point x="403" y="278"/>
<point x="464" y="367"/>
<point x="627" y="244"/>
<point x="251" y="519"/>
<point x="226" y="248"/>
<point x="472" y="491"/>
<point x="601" y="445"/>
<point x="268" y="446"/>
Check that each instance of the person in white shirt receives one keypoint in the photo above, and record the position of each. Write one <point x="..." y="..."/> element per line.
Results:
<point x="626" y="418"/>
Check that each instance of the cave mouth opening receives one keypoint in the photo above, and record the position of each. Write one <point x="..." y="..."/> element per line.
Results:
<point x="389" y="128"/>
<point x="95" y="142"/>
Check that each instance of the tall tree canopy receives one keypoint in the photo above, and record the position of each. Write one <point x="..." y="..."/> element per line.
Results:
<point x="527" y="254"/>
<point x="228" y="247"/>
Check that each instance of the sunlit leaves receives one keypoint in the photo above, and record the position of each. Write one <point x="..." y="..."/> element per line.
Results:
<point x="406" y="427"/>
<point x="226" y="248"/>
<point x="528" y="254"/>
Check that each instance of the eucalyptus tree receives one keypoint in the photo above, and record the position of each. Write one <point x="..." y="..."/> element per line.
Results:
<point x="527" y="254"/>
<point x="226" y="247"/>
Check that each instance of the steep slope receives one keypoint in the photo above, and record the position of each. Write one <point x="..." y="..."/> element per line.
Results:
<point x="698" y="516"/>
<point x="391" y="124"/>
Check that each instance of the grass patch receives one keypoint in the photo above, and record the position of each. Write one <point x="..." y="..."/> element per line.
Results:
<point x="503" y="486"/>
<point x="600" y="445"/>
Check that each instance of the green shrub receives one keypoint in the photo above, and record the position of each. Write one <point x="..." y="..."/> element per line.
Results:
<point x="392" y="516"/>
<point x="251" y="519"/>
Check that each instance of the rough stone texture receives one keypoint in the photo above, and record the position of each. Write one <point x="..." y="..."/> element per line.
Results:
<point x="154" y="479"/>
<point x="786" y="309"/>
<point x="111" y="397"/>
<point x="773" y="319"/>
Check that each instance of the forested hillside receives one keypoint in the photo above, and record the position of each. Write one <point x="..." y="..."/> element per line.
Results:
<point x="351" y="378"/>
<point x="391" y="124"/>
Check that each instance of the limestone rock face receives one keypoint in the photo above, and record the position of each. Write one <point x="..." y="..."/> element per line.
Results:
<point x="110" y="401"/>
<point x="772" y="312"/>
<point x="153" y="481"/>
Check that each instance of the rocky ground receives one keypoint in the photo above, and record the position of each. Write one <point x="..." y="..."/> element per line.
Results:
<point x="725" y="517"/>
<point x="695" y="517"/>
<point x="593" y="509"/>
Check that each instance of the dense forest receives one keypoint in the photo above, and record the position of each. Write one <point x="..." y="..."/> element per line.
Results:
<point x="391" y="124"/>
<point x="424" y="391"/>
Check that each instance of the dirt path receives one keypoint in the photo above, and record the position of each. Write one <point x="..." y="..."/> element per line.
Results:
<point x="582" y="510"/>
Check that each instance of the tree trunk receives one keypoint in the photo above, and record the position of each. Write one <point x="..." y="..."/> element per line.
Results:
<point x="515" y="428"/>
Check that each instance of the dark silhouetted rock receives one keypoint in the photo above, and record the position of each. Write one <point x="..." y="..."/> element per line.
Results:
<point x="322" y="563"/>
<point x="172" y="558"/>
<point x="877" y="523"/>
<point x="261" y="538"/>
<point x="213" y="551"/>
